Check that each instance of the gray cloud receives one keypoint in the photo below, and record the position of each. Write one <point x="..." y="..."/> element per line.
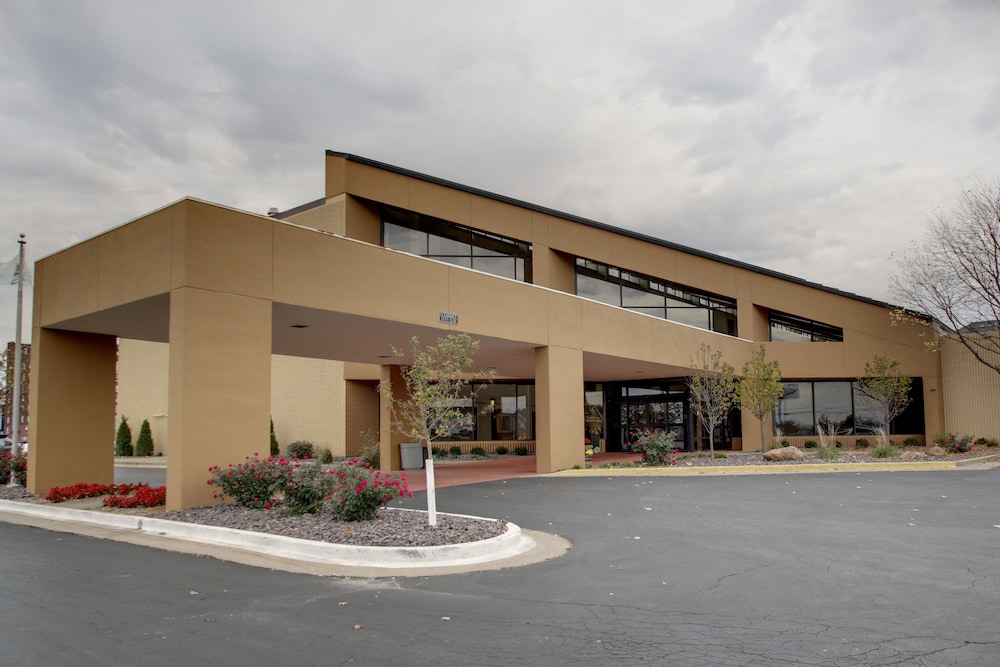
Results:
<point x="810" y="137"/>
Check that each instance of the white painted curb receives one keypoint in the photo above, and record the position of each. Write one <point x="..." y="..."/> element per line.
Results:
<point x="512" y="543"/>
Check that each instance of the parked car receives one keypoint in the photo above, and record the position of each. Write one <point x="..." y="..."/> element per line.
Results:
<point x="6" y="445"/>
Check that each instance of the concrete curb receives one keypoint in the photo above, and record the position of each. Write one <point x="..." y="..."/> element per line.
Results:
<point x="514" y="546"/>
<point x="770" y="469"/>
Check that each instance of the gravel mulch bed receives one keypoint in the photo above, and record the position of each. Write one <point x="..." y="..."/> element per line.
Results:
<point x="392" y="528"/>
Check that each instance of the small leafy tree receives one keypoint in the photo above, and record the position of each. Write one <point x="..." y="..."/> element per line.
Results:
<point x="713" y="391"/>
<point x="885" y="388"/>
<point x="144" y="443"/>
<point x="123" y="439"/>
<point x="437" y="386"/>
<point x="760" y="388"/>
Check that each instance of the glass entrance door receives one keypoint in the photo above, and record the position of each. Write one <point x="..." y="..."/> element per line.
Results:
<point x="663" y="412"/>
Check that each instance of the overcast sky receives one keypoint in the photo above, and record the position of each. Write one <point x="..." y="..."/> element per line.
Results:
<point x="812" y="138"/>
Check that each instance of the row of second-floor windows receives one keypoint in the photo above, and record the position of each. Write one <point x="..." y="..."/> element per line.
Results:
<point x="643" y="294"/>
<point x="787" y="328"/>
<point x="455" y="244"/>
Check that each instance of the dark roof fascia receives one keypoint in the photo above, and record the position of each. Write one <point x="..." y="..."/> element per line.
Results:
<point x="301" y="208"/>
<point x="604" y="227"/>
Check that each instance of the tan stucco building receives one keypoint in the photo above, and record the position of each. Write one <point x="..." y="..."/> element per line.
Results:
<point x="228" y="318"/>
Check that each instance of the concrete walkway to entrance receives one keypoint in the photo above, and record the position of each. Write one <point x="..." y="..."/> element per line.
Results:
<point x="456" y="473"/>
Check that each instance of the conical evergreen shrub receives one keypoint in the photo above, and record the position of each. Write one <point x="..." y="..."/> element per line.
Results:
<point x="123" y="440"/>
<point x="144" y="443"/>
<point x="275" y="449"/>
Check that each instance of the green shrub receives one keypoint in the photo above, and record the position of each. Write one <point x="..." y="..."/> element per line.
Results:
<point x="360" y="491"/>
<point x="886" y="451"/>
<point x="123" y="439"/>
<point x="438" y="451"/>
<point x="838" y="444"/>
<point x="144" y="443"/>
<point x="521" y="450"/>
<point x="957" y="444"/>
<point x="325" y="456"/>
<point x="477" y="451"/>
<point x="828" y="453"/>
<point x="275" y="449"/>
<point x="992" y="442"/>
<point x="455" y="450"/>
<point x="305" y="488"/>
<point x="981" y="441"/>
<point x="500" y="451"/>
<point x="253" y="483"/>
<point x="911" y="442"/>
<point x="301" y="449"/>
<point x="655" y="446"/>
<point x="862" y="443"/>
<point x="371" y="449"/>
<point x="349" y="492"/>
<point x="19" y="469"/>
<point x="811" y="444"/>
<point x="721" y="456"/>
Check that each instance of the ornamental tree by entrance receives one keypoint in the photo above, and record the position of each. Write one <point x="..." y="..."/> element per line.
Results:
<point x="437" y="384"/>
<point x="760" y="388"/>
<point x="886" y="388"/>
<point x="713" y="391"/>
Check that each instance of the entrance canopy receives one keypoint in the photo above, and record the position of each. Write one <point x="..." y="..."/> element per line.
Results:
<point x="228" y="289"/>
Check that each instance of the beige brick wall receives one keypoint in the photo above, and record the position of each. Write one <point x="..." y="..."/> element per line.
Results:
<point x="142" y="388"/>
<point x="971" y="393"/>
<point x="361" y="414"/>
<point x="307" y="398"/>
<point x="307" y="402"/>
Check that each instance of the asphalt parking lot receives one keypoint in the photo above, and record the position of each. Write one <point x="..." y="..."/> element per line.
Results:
<point x="826" y="569"/>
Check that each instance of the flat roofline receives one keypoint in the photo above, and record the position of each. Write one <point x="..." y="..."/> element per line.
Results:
<point x="605" y="227"/>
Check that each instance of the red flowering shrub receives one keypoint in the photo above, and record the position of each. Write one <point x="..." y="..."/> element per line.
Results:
<point x="350" y="492"/>
<point x="253" y="483"/>
<point x="143" y="496"/>
<point x="16" y="466"/>
<point x="361" y="491"/>
<point x="60" y="494"/>
<point x="4" y="467"/>
<point x="656" y="446"/>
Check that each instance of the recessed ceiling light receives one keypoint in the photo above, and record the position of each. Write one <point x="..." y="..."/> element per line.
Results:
<point x="300" y="326"/>
<point x="385" y="356"/>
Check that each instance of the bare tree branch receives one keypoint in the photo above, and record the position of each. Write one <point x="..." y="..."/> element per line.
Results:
<point x="953" y="274"/>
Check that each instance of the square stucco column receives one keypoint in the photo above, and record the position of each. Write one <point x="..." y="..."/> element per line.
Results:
<point x="72" y="418"/>
<point x="389" y="438"/>
<point x="219" y="393"/>
<point x="559" y="427"/>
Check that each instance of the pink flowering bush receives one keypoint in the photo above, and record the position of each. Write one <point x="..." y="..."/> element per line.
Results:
<point x="353" y="491"/>
<point x="360" y="491"/>
<point x="253" y="483"/>
<point x="16" y="466"/>
<point x="656" y="446"/>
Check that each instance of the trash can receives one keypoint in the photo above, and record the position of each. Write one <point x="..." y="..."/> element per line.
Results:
<point x="411" y="455"/>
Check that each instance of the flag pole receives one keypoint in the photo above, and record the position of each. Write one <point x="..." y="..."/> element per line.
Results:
<point x="15" y="428"/>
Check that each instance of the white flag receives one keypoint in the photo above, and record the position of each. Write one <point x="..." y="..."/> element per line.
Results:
<point x="9" y="271"/>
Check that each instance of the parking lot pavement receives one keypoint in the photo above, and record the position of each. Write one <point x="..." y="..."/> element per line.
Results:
<point x="835" y="569"/>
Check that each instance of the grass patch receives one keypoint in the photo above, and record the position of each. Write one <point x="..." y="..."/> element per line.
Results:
<point x="886" y="451"/>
